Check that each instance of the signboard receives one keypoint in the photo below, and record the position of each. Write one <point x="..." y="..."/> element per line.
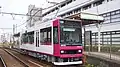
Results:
<point x="91" y="16"/>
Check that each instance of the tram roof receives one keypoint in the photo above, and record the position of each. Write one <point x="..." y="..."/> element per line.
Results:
<point x="87" y="18"/>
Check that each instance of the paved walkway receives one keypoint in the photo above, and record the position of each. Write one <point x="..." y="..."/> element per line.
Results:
<point x="105" y="56"/>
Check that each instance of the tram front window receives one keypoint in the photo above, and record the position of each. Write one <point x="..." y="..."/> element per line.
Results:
<point x="70" y="32"/>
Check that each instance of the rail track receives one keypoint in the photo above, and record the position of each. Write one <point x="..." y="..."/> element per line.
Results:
<point x="29" y="61"/>
<point x="2" y="62"/>
<point x="35" y="61"/>
<point x="21" y="61"/>
<point x="9" y="60"/>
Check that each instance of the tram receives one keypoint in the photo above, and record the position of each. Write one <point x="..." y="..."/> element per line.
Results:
<point x="58" y="41"/>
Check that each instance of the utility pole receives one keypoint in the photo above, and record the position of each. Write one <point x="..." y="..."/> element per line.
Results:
<point x="55" y="3"/>
<point x="13" y="34"/>
<point x="84" y="38"/>
<point x="16" y="28"/>
<point x="0" y="9"/>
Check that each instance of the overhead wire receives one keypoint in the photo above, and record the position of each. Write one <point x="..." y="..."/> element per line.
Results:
<point x="16" y="14"/>
<point x="5" y="28"/>
<point x="48" y="8"/>
<point x="35" y="14"/>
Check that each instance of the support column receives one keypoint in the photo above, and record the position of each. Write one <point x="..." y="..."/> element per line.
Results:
<point x="99" y="38"/>
<point x="99" y="28"/>
<point x="84" y="39"/>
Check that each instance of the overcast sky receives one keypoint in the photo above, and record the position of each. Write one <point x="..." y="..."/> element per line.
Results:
<point x="17" y="6"/>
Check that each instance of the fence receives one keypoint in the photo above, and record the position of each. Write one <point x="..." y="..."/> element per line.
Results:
<point x="107" y="38"/>
<point x="110" y="42"/>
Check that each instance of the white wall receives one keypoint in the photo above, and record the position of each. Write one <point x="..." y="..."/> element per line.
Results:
<point x="103" y="8"/>
<point x="106" y="7"/>
<point x="105" y="27"/>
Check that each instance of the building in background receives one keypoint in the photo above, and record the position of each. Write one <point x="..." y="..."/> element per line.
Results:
<point x="6" y="38"/>
<point x="109" y="9"/>
<point x="33" y="17"/>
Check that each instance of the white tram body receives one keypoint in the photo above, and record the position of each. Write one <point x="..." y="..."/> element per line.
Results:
<point x="48" y="49"/>
<point x="58" y="41"/>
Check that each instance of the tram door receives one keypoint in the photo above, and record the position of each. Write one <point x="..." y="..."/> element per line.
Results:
<point x="37" y="38"/>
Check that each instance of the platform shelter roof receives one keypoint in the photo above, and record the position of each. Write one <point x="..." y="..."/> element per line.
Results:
<point x="87" y="18"/>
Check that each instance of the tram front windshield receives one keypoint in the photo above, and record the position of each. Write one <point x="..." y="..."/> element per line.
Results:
<point x="70" y="32"/>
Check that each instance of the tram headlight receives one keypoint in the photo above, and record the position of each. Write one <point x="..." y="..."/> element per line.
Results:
<point x="80" y="51"/>
<point x="61" y="51"/>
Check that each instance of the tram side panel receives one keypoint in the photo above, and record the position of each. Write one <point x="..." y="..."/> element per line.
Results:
<point x="42" y="40"/>
<point x="45" y="38"/>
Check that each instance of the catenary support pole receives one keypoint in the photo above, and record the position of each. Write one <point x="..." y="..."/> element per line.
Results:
<point x="13" y="34"/>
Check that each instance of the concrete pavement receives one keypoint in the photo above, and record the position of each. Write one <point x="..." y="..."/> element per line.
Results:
<point x="105" y="56"/>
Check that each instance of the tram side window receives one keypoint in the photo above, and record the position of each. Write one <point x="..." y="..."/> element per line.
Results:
<point x="55" y="35"/>
<point x="21" y="40"/>
<point x="41" y="37"/>
<point x="24" y="38"/>
<point x="45" y="36"/>
<point x="31" y="38"/>
<point x="28" y="38"/>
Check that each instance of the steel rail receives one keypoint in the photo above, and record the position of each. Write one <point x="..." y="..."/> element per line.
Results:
<point x="21" y="61"/>
<point x="3" y="62"/>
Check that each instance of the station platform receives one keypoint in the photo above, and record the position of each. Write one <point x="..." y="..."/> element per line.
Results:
<point x="105" y="56"/>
